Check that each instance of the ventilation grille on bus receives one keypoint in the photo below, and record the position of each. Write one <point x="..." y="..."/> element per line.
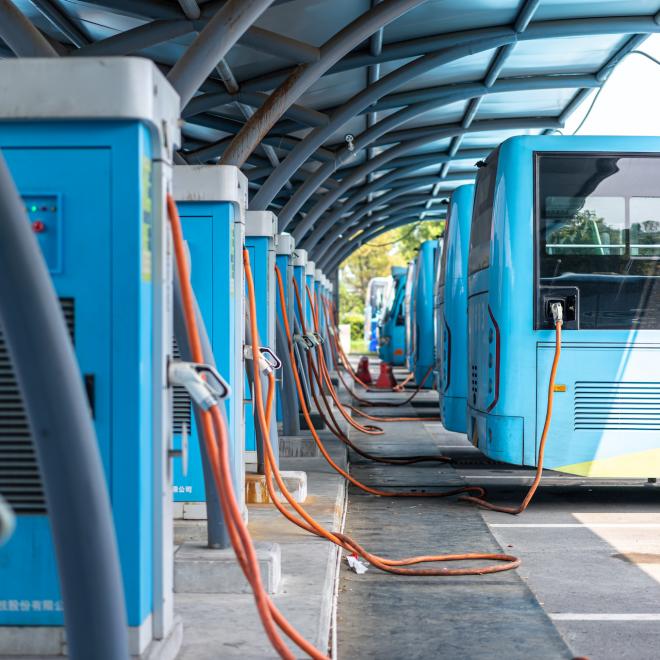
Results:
<point x="20" y="480"/>
<point x="620" y="406"/>
<point x="180" y="400"/>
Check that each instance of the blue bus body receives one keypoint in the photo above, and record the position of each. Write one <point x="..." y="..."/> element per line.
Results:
<point x="451" y="313"/>
<point x="408" y="311"/>
<point x="423" y="345"/>
<point x="392" y="325"/>
<point x="373" y="309"/>
<point x="576" y="220"/>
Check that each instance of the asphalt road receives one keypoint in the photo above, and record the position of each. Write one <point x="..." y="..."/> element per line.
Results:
<point x="589" y="583"/>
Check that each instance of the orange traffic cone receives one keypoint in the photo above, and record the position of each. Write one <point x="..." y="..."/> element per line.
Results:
<point x="363" y="372"/>
<point x="386" y="378"/>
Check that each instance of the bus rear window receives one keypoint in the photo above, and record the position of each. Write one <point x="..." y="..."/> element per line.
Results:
<point x="598" y="229"/>
<point x="482" y="215"/>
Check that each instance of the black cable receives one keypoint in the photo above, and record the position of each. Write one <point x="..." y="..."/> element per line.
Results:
<point x="401" y="238"/>
<point x="602" y="87"/>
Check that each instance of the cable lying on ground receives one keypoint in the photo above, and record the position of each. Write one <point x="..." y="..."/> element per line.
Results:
<point x="305" y="521"/>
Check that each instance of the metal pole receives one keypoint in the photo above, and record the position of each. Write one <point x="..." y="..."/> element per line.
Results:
<point x="304" y="76"/>
<point x="62" y="21"/>
<point x="288" y="394"/>
<point x="20" y="35"/>
<point x="138" y="38"/>
<point x="212" y="45"/>
<point x="65" y="440"/>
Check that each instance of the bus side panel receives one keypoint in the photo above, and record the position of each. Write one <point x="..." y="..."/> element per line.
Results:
<point x="605" y="419"/>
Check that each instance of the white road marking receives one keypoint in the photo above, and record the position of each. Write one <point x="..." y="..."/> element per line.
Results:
<point x="580" y="525"/>
<point x="588" y="616"/>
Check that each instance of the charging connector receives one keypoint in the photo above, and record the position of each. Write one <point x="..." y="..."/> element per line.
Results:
<point x="204" y="391"/>
<point x="557" y="310"/>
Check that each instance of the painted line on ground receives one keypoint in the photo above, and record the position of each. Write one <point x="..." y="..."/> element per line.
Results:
<point x="589" y="616"/>
<point x="579" y="525"/>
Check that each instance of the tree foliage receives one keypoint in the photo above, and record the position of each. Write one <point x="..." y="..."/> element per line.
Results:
<point x="376" y="258"/>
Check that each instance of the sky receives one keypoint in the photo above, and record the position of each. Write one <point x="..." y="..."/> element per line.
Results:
<point x="630" y="101"/>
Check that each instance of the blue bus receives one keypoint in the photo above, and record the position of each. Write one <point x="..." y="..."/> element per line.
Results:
<point x="451" y="312"/>
<point x="373" y="309"/>
<point x="392" y="324"/>
<point x="408" y="311"/>
<point x="423" y="345"/>
<point x="572" y="220"/>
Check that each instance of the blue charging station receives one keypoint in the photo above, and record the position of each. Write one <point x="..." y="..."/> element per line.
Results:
<point x="260" y="235"/>
<point x="212" y="202"/>
<point x="300" y="277"/>
<point x="284" y="260"/>
<point x="93" y="176"/>
<point x="310" y="269"/>
<point x="317" y="290"/>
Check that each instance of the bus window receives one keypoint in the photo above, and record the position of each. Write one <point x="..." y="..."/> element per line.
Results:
<point x="598" y="232"/>
<point x="645" y="227"/>
<point x="482" y="215"/>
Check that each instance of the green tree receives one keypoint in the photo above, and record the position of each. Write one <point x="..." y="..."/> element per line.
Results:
<point x="376" y="258"/>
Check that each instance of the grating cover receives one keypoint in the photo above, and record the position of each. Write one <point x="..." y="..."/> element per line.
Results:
<point x="20" y="480"/>
<point x="625" y="406"/>
<point x="180" y="400"/>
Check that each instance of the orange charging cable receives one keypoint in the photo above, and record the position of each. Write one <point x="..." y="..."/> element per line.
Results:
<point x="507" y="562"/>
<point x="515" y="510"/>
<point x="332" y="390"/>
<point x="326" y="382"/>
<point x="214" y="433"/>
<point x="339" y="351"/>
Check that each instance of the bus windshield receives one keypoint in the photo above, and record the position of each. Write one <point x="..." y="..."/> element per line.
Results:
<point x="598" y="229"/>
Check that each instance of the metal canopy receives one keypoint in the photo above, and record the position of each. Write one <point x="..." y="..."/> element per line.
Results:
<point x="424" y="89"/>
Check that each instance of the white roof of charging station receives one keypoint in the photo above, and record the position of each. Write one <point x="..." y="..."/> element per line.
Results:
<point x="382" y="108"/>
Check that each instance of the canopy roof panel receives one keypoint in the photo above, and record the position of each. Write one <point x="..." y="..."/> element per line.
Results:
<point x="358" y="102"/>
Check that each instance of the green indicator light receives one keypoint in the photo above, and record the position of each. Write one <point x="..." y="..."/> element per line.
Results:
<point x="34" y="209"/>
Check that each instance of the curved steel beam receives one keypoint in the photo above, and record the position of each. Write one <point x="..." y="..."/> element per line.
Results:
<point x="416" y="182"/>
<point x="138" y="38"/>
<point x="20" y="35"/>
<point x="394" y="176"/>
<point x="206" y="102"/>
<point x="370" y="234"/>
<point x="212" y="44"/>
<point x="569" y="27"/>
<point x="437" y="133"/>
<point x="566" y="27"/>
<point x="306" y="75"/>
<point x="348" y="110"/>
<point x="406" y="114"/>
<point x="330" y="247"/>
<point x="372" y="135"/>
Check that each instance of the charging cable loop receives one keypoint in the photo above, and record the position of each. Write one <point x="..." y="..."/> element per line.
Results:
<point x="205" y="386"/>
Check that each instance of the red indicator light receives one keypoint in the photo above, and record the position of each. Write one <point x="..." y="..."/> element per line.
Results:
<point x="38" y="227"/>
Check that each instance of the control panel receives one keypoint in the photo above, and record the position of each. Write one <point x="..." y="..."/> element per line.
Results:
<point x="44" y="214"/>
